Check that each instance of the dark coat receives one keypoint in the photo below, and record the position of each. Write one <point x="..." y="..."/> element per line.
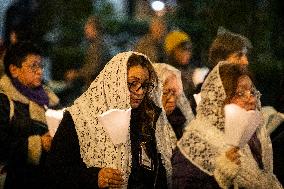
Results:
<point x="186" y="175"/>
<point x="277" y="138"/>
<point x="142" y="131"/>
<point x="66" y="168"/>
<point x="14" y="137"/>
<point x="177" y="121"/>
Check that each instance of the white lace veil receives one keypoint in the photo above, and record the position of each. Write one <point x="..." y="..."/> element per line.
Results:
<point x="163" y="72"/>
<point x="109" y="91"/>
<point x="203" y="141"/>
<point x="203" y="138"/>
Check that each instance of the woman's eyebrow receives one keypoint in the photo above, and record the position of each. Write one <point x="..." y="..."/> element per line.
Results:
<point x="135" y="78"/>
<point x="245" y="85"/>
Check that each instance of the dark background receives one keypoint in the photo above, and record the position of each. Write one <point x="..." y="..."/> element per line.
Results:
<point x="58" y="28"/>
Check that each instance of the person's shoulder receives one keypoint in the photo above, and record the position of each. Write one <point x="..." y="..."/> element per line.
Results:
<point x="53" y="98"/>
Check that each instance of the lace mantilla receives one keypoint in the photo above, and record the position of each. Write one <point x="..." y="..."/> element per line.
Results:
<point x="182" y="102"/>
<point x="204" y="140"/>
<point x="109" y="91"/>
<point x="164" y="71"/>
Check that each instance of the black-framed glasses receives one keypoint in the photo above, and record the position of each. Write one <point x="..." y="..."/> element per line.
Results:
<point x="136" y="85"/>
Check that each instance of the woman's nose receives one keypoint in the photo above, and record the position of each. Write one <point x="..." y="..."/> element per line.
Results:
<point x="171" y="98"/>
<point x="140" y="91"/>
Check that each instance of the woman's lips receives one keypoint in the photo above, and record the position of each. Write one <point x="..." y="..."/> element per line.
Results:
<point x="136" y="100"/>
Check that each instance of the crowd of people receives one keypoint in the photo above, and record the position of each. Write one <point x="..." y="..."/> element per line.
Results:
<point x="179" y="123"/>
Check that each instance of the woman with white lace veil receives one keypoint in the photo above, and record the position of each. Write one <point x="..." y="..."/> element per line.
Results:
<point x="83" y="154"/>
<point x="174" y="101"/>
<point x="204" y="159"/>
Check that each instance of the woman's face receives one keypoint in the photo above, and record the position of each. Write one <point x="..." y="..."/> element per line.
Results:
<point x="245" y="95"/>
<point x="182" y="56"/>
<point x="138" y="84"/>
<point x="31" y="72"/>
<point x="169" y="94"/>
<point x="90" y="31"/>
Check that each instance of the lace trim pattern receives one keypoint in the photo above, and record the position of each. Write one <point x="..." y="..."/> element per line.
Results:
<point x="203" y="140"/>
<point x="212" y="98"/>
<point x="183" y="104"/>
<point x="194" y="145"/>
<point x="108" y="91"/>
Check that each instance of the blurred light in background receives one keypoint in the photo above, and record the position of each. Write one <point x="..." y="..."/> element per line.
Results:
<point x="158" y="5"/>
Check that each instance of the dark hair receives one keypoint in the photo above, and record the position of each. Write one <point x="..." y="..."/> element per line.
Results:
<point x="135" y="60"/>
<point x="224" y="45"/>
<point x="230" y="73"/>
<point x="141" y="60"/>
<point x="17" y="53"/>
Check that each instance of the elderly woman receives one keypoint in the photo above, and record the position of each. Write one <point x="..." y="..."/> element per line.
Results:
<point x="203" y="158"/>
<point x="24" y="136"/>
<point x="174" y="101"/>
<point x="83" y="154"/>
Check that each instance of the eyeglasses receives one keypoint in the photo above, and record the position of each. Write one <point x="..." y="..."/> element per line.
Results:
<point x="35" y="67"/>
<point x="248" y="93"/>
<point x="136" y="85"/>
<point x="169" y="92"/>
